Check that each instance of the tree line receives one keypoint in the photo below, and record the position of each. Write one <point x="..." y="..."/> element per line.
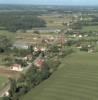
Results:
<point x="14" y="21"/>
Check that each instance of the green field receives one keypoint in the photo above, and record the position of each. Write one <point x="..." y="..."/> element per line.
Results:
<point x="1" y="98"/>
<point x="56" y="20"/>
<point x="7" y="33"/>
<point x="90" y="28"/>
<point x="2" y="81"/>
<point x="76" y="79"/>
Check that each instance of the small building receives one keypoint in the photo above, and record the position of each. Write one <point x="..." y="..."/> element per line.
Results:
<point x="79" y="47"/>
<point x="36" y="49"/>
<point x="7" y="93"/>
<point x="29" y="57"/>
<point x="16" y="67"/>
<point x="43" y="49"/>
<point x="80" y="36"/>
<point x="74" y="35"/>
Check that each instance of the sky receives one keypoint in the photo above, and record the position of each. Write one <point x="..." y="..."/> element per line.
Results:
<point x="51" y="2"/>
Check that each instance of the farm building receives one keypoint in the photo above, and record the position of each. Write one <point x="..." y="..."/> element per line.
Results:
<point x="16" y="67"/>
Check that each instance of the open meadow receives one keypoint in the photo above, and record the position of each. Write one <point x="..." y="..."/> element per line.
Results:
<point x="90" y="28"/>
<point x="76" y="79"/>
<point x="56" y="20"/>
<point x="2" y="81"/>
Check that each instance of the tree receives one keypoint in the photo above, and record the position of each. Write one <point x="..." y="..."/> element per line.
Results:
<point x="17" y="22"/>
<point x="13" y="87"/>
<point x="5" y="98"/>
<point x="30" y="49"/>
<point x="5" y="43"/>
<point x="37" y="32"/>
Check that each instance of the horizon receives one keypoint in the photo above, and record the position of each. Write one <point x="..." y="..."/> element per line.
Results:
<point x="49" y="2"/>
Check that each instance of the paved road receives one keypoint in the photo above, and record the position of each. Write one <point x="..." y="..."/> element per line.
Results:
<point x="30" y="64"/>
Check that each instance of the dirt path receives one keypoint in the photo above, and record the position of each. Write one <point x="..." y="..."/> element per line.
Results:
<point x="8" y="73"/>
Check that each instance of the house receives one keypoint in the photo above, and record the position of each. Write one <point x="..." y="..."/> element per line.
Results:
<point x="80" y="36"/>
<point x="43" y="49"/>
<point x="36" y="49"/>
<point x="29" y="57"/>
<point x="39" y="63"/>
<point x="74" y="35"/>
<point x="7" y="93"/>
<point x="79" y="47"/>
<point x="16" y="67"/>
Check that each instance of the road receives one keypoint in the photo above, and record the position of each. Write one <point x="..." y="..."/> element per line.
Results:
<point x="30" y="65"/>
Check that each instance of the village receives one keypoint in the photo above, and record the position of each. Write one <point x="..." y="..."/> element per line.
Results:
<point x="31" y="54"/>
<point x="42" y="49"/>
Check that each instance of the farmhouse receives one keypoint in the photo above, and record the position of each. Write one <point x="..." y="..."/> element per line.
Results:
<point x="16" y="67"/>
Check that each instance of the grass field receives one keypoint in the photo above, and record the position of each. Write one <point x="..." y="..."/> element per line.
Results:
<point x="76" y="79"/>
<point x="54" y="20"/>
<point x="2" y="81"/>
<point x="7" y="33"/>
<point x="11" y="36"/>
<point x="90" y="28"/>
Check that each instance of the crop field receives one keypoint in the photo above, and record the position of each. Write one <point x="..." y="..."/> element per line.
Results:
<point x="55" y="20"/>
<point x="7" y="33"/>
<point x="90" y="28"/>
<point x="29" y="38"/>
<point x="9" y="73"/>
<point x="76" y="79"/>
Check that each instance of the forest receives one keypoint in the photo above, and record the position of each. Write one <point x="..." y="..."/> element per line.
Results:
<point x="13" y="22"/>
